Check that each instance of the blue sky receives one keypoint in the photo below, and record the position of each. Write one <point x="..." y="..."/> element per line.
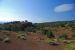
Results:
<point x="37" y="10"/>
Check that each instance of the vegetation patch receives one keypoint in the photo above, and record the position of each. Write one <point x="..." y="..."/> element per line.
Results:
<point x="70" y="46"/>
<point x="52" y="41"/>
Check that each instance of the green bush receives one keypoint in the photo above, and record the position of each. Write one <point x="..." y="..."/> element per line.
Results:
<point x="63" y="36"/>
<point x="44" y="32"/>
<point x="48" y="33"/>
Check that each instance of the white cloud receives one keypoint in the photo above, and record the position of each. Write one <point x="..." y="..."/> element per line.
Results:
<point x="64" y="7"/>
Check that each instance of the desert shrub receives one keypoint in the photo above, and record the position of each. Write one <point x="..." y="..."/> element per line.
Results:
<point x="30" y="29"/>
<point x="63" y="36"/>
<point x="73" y="28"/>
<point x="21" y="36"/>
<point x="48" y="33"/>
<point x="70" y="46"/>
<point x="67" y="41"/>
<point x="53" y="42"/>
<point x="73" y="34"/>
<point x="62" y="25"/>
<point x="44" y="32"/>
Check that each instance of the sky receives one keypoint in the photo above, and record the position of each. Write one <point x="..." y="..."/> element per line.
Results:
<point x="37" y="11"/>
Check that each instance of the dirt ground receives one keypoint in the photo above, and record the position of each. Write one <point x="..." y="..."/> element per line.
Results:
<point x="32" y="42"/>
